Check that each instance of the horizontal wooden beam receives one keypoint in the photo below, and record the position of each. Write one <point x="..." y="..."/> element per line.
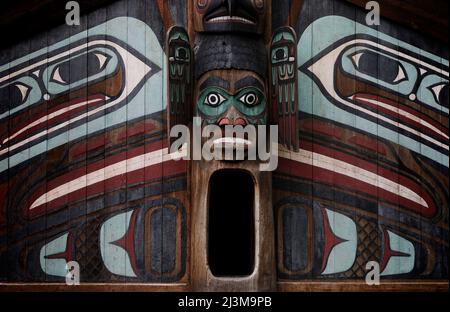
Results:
<point x="92" y="287"/>
<point x="303" y="286"/>
<point x="361" y="286"/>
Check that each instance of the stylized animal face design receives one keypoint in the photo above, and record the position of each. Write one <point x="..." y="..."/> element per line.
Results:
<point x="378" y="81"/>
<point x="94" y="73"/>
<point x="283" y="62"/>
<point x="179" y="55"/>
<point x="231" y="97"/>
<point x="89" y="63"/>
<point x="382" y="83"/>
<point x="180" y="76"/>
<point x="70" y="83"/>
<point x="283" y="56"/>
<point x="413" y="80"/>
<point x="230" y="16"/>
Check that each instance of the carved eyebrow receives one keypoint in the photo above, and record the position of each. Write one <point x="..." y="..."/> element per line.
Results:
<point x="214" y="81"/>
<point x="248" y="82"/>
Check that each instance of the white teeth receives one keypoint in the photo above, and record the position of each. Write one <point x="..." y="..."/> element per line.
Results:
<point x="232" y="142"/>
<point x="231" y="18"/>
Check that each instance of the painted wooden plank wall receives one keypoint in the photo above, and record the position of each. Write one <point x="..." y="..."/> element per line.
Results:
<point x="88" y="181"/>
<point x="84" y="176"/>
<point x="360" y="87"/>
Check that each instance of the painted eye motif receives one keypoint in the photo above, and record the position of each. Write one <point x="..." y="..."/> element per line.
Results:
<point x="280" y="55"/>
<point x="71" y="71"/>
<point x="440" y="93"/>
<point x="379" y="66"/>
<point x="13" y="95"/>
<point x="214" y="99"/>
<point x="249" y="99"/>
<point x="181" y="54"/>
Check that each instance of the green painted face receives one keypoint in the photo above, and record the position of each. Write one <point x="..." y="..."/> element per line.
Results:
<point x="214" y="101"/>
<point x="243" y="98"/>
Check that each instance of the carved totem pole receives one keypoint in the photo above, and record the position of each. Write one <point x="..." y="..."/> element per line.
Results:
<point x="234" y="80"/>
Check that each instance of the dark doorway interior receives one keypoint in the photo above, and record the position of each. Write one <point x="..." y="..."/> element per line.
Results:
<point x="231" y="228"/>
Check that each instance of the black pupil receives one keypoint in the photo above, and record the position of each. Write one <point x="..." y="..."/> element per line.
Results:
<point x="251" y="99"/>
<point x="213" y="99"/>
<point x="10" y="97"/>
<point x="443" y="96"/>
<point x="279" y="54"/>
<point x="80" y="67"/>
<point x="379" y="66"/>
<point x="182" y="53"/>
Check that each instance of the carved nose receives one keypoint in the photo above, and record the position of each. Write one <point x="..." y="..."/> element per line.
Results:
<point x="233" y="118"/>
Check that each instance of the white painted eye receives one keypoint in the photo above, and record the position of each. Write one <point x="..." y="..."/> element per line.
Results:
<point x="249" y="99"/>
<point x="57" y="76"/>
<point x="400" y="76"/>
<point x="214" y="99"/>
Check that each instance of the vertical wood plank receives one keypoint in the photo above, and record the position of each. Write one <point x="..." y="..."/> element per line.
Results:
<point x="323" y="8"/>
<point x="341" y="9"/>
<point x="305" y="94"/>
<point x="136" y="9"/>
<point x="95" y="153"/>
<point x="5" y="56"/>
<point x="55" y="163"/>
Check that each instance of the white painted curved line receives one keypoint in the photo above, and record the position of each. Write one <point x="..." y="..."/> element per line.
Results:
<point x="352" y="171"/>
<point x="114" y="170"/>
<point x="51" y="116"/>
<point x="402" y="113"/>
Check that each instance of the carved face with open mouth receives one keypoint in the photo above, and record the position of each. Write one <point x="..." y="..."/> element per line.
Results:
<point x="231" y="98"/>
<point x="230" y="15"/>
